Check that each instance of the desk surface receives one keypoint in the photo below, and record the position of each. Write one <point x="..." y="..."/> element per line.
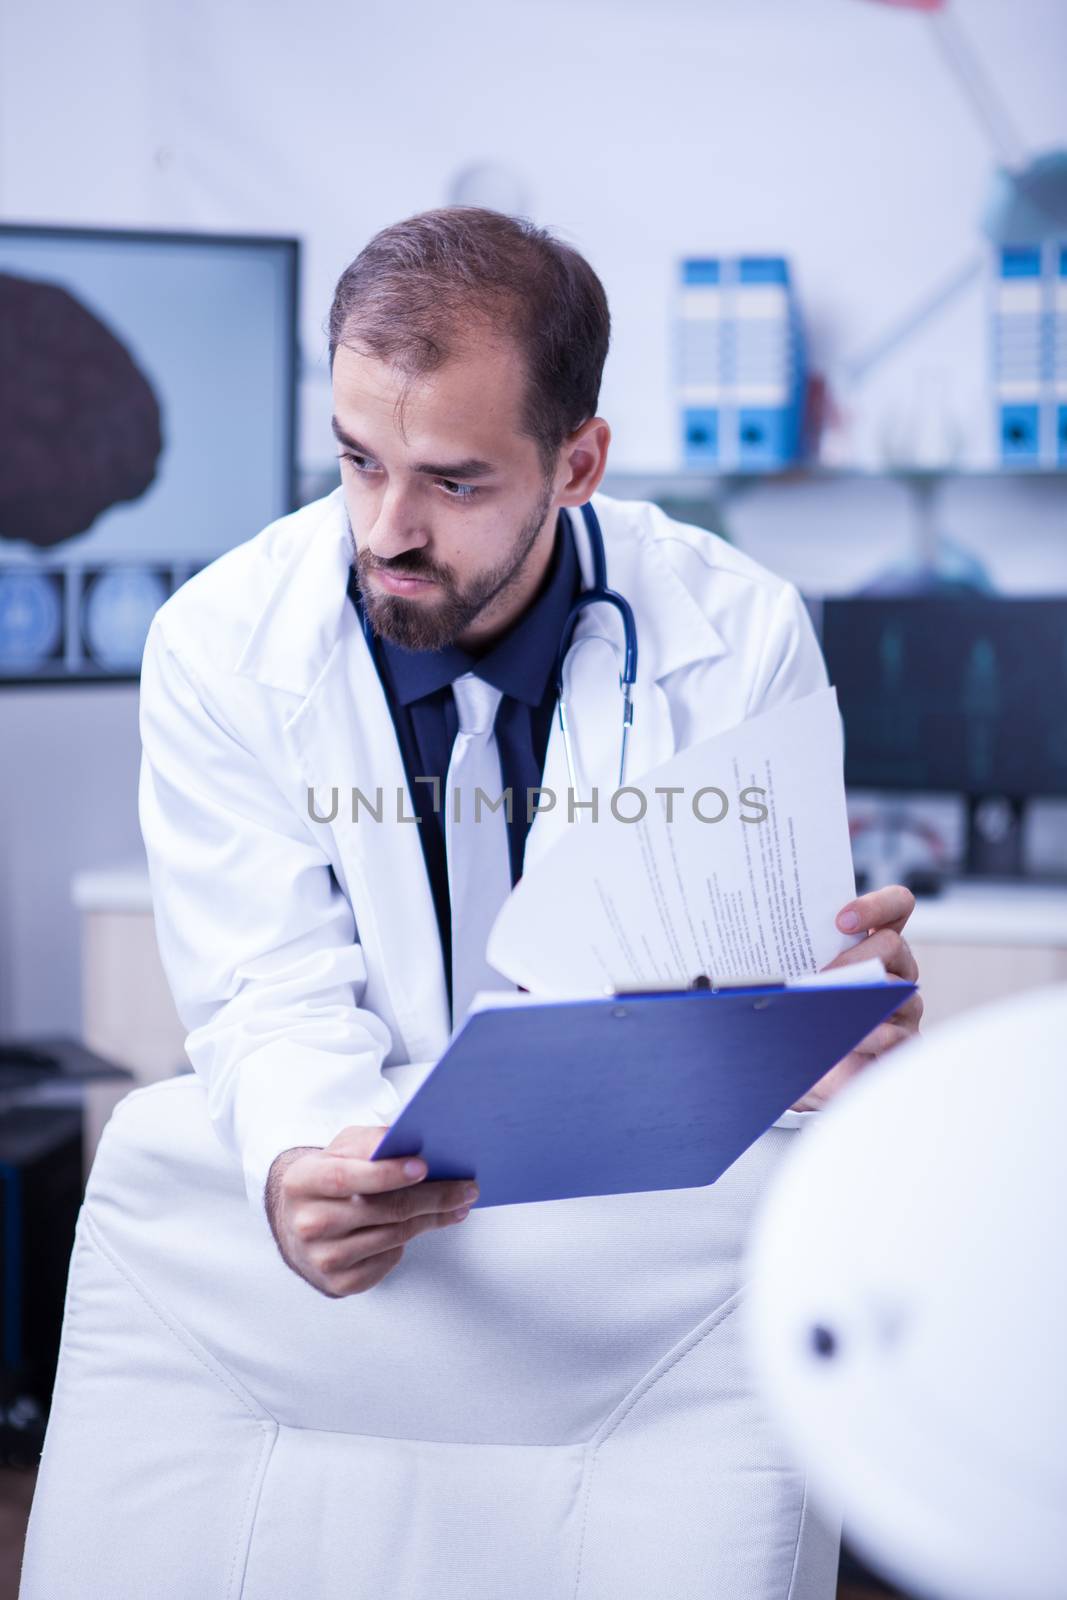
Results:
<point x="994" y="913"/>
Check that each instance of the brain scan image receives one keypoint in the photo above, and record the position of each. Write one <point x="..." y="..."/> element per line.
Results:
<point x="31" y="619"/>
<point x="80" y="421"/>
<point x="148" y="422"/>
<point x="117" y="608"/>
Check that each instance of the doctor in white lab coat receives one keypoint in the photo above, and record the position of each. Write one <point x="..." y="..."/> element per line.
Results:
<point x="536" y="1401"/>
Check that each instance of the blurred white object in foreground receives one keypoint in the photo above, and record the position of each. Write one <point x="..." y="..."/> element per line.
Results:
<point x="908" y="1305"/>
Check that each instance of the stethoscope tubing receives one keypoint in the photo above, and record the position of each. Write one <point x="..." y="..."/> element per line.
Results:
<point x="598" y="593"/>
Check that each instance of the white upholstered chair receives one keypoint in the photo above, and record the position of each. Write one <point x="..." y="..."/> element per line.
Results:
<point x="547" y="1402"/>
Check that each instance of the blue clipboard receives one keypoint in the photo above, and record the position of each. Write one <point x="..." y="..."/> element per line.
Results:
<point x="612" y="1096"/>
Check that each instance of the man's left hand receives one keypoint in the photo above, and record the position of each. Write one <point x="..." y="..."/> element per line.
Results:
<point x="883" y="913"/>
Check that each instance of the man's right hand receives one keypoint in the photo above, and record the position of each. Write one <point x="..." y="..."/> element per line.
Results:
<point x="341" y="1221"/>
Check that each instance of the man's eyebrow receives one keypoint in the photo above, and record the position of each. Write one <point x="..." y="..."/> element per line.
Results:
<point x="471" y="468"/>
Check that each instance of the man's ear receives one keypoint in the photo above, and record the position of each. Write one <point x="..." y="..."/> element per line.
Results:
<point x="583" y="461"/>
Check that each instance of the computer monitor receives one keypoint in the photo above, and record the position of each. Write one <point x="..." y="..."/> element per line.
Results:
<point x="962" y="693"/>
<point x="147" y="424"/>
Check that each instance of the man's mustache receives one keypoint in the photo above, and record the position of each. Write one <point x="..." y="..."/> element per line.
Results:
<point x="406" y="566"/>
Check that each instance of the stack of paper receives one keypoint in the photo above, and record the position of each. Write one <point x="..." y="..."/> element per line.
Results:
<point x="678" y="893"/>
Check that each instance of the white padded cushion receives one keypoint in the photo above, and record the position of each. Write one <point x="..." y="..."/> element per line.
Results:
<point x="546" y="1400"/>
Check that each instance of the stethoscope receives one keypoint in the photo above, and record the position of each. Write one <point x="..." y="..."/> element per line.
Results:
<point x="599" y="593"/>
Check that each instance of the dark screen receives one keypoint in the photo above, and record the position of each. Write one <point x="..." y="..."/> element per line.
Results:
<point x="964" y="694"/>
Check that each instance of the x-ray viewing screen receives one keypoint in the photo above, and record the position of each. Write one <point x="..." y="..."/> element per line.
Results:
<point x="147" y="424"/>
<point x="951" y="694"/>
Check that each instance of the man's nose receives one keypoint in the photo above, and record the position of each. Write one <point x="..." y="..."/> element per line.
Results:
<point x="398" y="527"/>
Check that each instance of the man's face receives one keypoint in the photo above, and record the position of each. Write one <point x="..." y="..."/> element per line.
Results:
<point x="453" y="517"/>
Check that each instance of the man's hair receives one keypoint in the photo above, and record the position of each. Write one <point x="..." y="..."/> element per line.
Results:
<point x="419" y="288"/>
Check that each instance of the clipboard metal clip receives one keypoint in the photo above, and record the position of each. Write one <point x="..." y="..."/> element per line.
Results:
<point x="703" y="981"/>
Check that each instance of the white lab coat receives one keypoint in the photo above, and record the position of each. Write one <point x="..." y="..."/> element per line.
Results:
<point x="547" y="1402"/>
<point x="257" y="685"/>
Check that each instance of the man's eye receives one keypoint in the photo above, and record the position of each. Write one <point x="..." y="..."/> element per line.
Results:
<point x="458" y="491"/>
<point x="361" y="463"/>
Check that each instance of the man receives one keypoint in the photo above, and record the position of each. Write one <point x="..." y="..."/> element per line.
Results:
<point x="465" y="420"/>
<point x="320" y="966"/>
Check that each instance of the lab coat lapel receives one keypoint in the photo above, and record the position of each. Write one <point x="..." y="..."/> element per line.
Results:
<point x="308" y="643"/>
<point x="342" y="737"/>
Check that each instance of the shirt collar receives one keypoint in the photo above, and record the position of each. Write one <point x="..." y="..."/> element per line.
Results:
<point x="521" y="660"/>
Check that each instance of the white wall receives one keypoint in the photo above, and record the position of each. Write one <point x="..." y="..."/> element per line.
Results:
<point x="824" y="129"/>
<point x="828" y="129"/>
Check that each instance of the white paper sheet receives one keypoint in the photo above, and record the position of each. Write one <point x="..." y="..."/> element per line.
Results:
<point x="857" y="972"/>
<point x="676" y="893"/>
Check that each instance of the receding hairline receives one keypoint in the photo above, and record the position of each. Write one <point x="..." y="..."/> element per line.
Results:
<point x="470" y="325"/>
<point x="422" y="288"/>
<point x="490" y="337"/>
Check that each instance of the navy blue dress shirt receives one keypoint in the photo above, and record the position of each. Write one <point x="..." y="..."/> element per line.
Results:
<point x="522" y="664"/>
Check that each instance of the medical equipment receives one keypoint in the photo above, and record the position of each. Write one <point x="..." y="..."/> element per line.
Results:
<point x="599" y="593"/>
<point x="991" y="734"/>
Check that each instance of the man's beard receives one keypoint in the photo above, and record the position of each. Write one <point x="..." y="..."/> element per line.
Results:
<point x="416" y="625"/>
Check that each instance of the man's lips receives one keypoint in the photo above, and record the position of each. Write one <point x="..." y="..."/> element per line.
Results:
<point x="401" y="583"/>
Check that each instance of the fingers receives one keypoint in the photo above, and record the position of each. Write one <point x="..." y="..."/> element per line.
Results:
<point x="331" y="1173"/>
<point x="362" y="1258"/>
<point x="426" y="1199"/>
<point x="372" y="1241"/>
<point x="336" y="1256"/>
<point x="897" y="1027"/>
<point x="345" y="1219"/>
<point x="883" y="1038"/>
<point x="899" y="961"/>
<point x="353" y="1148"/>
<point x="910" y="1014"/>
<point x="363" y="1276"/>
<point x="893" y="951"/>
<point x="882" y="908"/>
<point x="314" y="1217"/>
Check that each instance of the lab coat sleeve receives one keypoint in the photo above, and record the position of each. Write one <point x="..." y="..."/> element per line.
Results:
<point x="257" y="940"/>
<point x="791" y="663"/>
<point x="790" y="666"/>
